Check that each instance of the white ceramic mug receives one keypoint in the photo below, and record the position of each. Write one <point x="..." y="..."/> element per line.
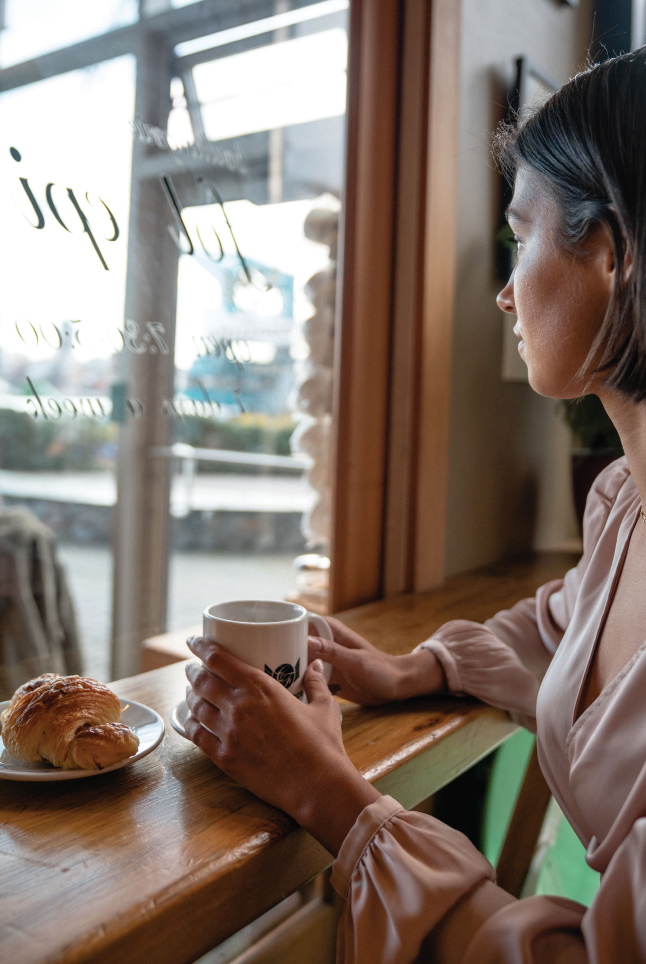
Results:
<point x="267" y="634"/>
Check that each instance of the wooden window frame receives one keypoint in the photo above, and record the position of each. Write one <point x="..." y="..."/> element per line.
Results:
<point x="393" y="364"/>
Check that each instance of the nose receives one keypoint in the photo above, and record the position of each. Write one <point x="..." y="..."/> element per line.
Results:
<point x="505" y="299"/>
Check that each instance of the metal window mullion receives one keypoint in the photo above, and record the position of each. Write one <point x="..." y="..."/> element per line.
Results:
<point x="193" y="106"/>
<point x="141" y="525"/>
<point x="175" y="26"/>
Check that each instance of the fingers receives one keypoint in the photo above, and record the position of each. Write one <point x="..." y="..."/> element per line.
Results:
<point x="315" y="683"/>
<point x="202" y="738"/>
<point x="204" y="712"/>
<point x="347" y="637"/>
<point x="332" y="653"/>
<point x="224" y="664"/>
<point x="206" y="685"/>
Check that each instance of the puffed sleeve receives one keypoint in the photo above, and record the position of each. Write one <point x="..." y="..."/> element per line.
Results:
<point x="402" y="873"/>
<point x="545" y="930"/>
<point x="399" y="873"/>
<point x="503" y="661"/>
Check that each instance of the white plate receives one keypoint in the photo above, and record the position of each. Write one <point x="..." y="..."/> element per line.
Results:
<point x="147" y="724"/>
<point x="178" y="718"/>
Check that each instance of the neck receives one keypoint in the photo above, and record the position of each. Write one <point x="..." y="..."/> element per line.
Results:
<point x="629" y="418"/>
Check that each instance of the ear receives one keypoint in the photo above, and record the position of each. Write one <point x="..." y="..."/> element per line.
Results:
<point x="601" y="250"/>
<point x="627" y="269"/>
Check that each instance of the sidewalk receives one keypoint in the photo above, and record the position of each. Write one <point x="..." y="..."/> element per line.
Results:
<point x="212" y="492"/>
<point x="196" y="580"/>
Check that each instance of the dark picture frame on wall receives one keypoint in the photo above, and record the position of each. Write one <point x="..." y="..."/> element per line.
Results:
<point x="531" y="87"/>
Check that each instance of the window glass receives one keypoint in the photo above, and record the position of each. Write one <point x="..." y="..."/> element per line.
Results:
<point x="33" y="27"/>
<point x="167" y="318"/>
<point x="61" y="315"/>
<point x="264" y="280"/>
<point x="293" y="82"/>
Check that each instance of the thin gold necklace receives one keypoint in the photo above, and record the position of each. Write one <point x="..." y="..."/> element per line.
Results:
<point x="641" y="512"/>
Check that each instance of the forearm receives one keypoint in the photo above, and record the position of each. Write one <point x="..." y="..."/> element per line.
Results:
<point x="418" y="674"/>
<point x="331" y="803"/>
<point x="340" y="793"/>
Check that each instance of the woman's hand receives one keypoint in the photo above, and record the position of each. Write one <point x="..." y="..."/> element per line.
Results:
<point x="367" y="676"/>
<point x="286" y="752"/>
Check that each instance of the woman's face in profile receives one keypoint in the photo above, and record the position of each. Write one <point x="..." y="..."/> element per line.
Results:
<point x="560" y="298"/>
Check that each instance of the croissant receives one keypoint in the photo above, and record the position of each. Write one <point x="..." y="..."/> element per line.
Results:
<point x="71" y="721"/>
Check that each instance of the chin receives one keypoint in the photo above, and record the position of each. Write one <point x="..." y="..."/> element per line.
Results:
<point x="547" y="387"/>
<point x="541" y="383"/>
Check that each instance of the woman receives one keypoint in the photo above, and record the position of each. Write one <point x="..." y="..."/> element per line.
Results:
<point x="414" y="887"/>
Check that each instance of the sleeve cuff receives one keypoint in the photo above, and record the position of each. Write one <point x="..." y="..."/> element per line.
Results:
<point x="447" y="661"/>
<point x="550" y="926"/>
<point x="369" y="822"/>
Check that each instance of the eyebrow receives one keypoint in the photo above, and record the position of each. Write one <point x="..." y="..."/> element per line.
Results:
<point x="514" y="213"/>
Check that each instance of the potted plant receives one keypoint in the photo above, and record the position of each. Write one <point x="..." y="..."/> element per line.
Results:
<point x="596" y="444"/>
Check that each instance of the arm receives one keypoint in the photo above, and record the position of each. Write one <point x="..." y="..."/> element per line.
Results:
<point x="288" y="753"/>
<point x="417" y="890"/>
<point x="292" y="756"/>
<point x="502" y="661"/>
<point x="406" y="874"/>
<point x="553" y="929"/>
<point x="410" y="882"/>
<point x="461" y="657"/>
<point x="364" y="674"/>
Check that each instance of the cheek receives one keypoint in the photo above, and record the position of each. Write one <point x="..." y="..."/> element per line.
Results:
<point x="559" y="313"/>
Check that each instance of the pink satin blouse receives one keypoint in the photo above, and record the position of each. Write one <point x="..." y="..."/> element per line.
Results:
<point x="403" y="872"/>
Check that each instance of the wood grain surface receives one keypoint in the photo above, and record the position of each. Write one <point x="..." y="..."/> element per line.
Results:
<point x="398" y="623"/>
<point x="162" y="860"/>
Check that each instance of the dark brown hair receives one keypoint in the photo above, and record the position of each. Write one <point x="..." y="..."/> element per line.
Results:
<point x="588" y="143"/>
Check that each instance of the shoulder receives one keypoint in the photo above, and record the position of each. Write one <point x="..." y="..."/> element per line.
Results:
<point x="610" y="482"/>
<point x="613" y="494"/>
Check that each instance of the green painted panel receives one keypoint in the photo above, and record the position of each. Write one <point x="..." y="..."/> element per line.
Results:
<point x="506" y="779"/>
<point x="564" y="872"/>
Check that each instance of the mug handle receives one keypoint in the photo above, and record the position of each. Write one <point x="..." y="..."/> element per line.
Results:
<point x="325" y="632"/>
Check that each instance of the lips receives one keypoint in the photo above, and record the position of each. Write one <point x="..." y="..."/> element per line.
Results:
<point x="518" y="334"/>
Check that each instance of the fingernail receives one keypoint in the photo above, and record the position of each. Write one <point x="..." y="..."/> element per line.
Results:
<point x="318" y="666"/>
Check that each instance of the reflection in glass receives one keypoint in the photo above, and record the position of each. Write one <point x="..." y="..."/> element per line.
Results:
<point x="293" y="82"/>
<point x="275" y="22"/>
<point x="34" y="27"/>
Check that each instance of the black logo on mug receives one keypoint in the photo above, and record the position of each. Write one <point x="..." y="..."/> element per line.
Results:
<point x="286" y="673"/>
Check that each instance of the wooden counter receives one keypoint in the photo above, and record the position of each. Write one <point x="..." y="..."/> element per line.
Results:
<point x="400" y="622"/>
<point x="162" y="860"/>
